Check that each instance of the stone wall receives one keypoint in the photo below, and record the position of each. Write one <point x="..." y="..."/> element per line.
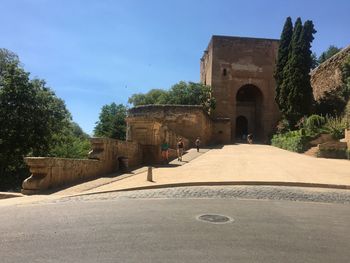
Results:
<point x="131" y="150"/>
<point x="48" y="172"/>
<point x="222" y="131"/>
<point x="206" y="65"/>
<point x="327" y="77"/>
<point x="150" y="124"/>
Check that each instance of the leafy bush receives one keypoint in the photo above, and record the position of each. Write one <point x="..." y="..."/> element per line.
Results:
<point x="335" y="126"/>
<point x="295" y="141"/>
<point x="314" y="123"/>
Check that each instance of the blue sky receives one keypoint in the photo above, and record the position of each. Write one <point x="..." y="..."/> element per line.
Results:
<point x="94" y="52"/>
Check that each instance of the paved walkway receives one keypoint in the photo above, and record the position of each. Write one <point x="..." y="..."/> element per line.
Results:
<point x="113" y="178"/>
<point x="231" y="164"/>
<point x="244" y="164"/>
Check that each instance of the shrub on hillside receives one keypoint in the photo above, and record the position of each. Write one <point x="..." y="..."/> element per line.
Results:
<point x="314" y="123"/>
<point x="335" y="126"/>
<point x="295" y="141"/>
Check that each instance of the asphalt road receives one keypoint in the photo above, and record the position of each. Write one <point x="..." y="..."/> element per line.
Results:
<point x="168" y="230"/>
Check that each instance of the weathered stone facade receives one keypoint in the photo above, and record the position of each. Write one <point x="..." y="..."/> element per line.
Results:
<point x="150" y="125"/>
<point x="327" y="77"/>
<point x="240" y="70"/>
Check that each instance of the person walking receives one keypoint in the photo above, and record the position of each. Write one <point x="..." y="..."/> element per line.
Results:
<point x="250" y="138"/>
<point x="198" y="142"/>
<point x="165" y="152"/>
<point x="180" y="149"/>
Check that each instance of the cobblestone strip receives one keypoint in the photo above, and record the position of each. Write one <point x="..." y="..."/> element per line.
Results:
<point x="228" y="192"/>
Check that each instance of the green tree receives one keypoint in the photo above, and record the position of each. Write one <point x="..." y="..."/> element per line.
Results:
<point x="30" y="115"/>
<point x="78" y="131"/>
<point x="331" y="51"/>
<point x="291" y="73"/>
<point x="314" y="60"/>
<point x="7" y="57"/>
<point x="305" y="89"/>
<point x="112" y="122"/>
<point x="154" y="96"/>
<point x="182" y="93"/>
<point x="296" y="91"/>
<point x="282" y="58"/>
<point x="70" y="142"/>
<point x="51" y="117"/>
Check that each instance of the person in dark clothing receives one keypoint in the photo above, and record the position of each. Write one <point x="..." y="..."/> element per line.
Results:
<point x="180" y="149"/>
<point x="198" y="142"/>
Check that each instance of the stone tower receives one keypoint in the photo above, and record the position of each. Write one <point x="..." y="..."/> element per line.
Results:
<point x="240" y="70"/>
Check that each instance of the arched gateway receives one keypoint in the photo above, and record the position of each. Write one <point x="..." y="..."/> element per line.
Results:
<point x="240" y="71"/>
<point x="249" y="101"/>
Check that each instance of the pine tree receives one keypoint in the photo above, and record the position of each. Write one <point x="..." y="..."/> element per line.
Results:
<point x="282" y="57"/>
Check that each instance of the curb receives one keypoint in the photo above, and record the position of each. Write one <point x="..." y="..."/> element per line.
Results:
<point x="254" y="183"/>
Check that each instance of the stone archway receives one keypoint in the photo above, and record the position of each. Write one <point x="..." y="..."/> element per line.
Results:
<point x="249" y="102"/>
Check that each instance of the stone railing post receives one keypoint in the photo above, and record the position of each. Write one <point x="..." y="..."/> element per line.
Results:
<point x="98" y="149"/>
<point x="104" y="150"/>
<point x="40" y="169"/>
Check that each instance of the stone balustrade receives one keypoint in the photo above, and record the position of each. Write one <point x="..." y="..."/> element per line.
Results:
<point x="50" y="172"/>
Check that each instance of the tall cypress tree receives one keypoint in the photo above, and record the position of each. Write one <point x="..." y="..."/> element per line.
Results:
<point x="292" y="77"/>
<point x="282" y="58"/>
<point x="306" y="39"/>
<point x="296" y="92"/>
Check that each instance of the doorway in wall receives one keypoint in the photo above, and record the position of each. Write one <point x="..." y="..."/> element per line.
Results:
<point x="249" y="102"/>
<point x="241" y="128"/>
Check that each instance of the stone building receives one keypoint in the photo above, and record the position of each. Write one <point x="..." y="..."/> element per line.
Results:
<point x="240" y="70"/>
